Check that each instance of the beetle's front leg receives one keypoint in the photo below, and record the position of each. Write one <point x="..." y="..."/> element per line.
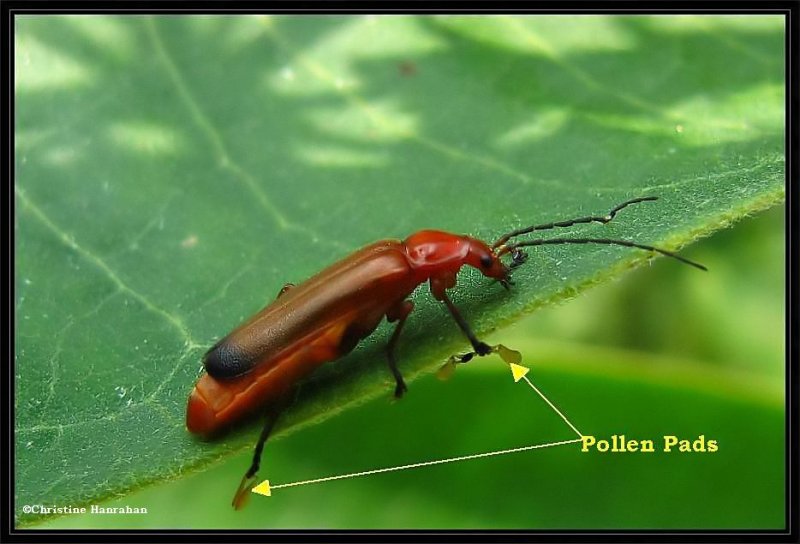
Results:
<point x="399" y="312"/>
<point x="481" y="348"/>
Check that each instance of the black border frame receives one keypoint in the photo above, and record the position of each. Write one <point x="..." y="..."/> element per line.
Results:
<point x="788" y="8"/>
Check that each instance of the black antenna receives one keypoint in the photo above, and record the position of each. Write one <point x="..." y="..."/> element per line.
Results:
<point x="569" y="222"/>
<point x="518" y="257"/>
<point x="511" y="248"/>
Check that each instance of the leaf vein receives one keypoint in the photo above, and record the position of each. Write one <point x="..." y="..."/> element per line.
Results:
<point x="224" y="157"/>
<point x="110" y="273"/>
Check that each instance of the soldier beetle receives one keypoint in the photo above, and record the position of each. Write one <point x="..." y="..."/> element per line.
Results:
<point x="259" y="364"/>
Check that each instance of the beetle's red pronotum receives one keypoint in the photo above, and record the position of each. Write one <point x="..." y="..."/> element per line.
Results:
<point x="322" y="319"/>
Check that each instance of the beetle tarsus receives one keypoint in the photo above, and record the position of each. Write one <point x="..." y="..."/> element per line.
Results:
<point x="509" y="356"/>
<point x="464" y="357"/>
<point x="401" y="386"/>
<point x="483" y="349"/>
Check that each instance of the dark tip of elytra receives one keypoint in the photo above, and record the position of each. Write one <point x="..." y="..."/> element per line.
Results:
<point x="226" y="360"/>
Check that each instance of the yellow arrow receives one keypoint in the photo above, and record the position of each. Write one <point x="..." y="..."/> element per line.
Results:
<point x="265" y="484"/>
<point x="518" y="371"/>
<point x="263" y="489"/>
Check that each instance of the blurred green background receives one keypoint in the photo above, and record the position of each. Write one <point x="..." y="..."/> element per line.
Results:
<point x="177" y="157"/>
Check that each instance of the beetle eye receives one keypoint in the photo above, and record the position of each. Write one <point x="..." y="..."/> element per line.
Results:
<point x="486" y="261"/>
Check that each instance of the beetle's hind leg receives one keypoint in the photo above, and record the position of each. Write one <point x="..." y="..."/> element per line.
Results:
<point x="399" y="312"/>
<point x="274" y="412"/>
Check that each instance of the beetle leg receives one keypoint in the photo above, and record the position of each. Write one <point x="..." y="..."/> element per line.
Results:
<point x="249" y="479"/>
<point x="399" y="312"/>
<point x="284" y="289"/>
<point x="481" y="348"/>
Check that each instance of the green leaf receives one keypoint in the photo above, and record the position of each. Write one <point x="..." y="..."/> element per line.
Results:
<point x="603" y="392"/>
<point x="173" y="173"/>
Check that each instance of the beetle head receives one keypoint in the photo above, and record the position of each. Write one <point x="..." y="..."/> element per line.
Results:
<point x="480" y="256"/>
<point x="434" y="253"/>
